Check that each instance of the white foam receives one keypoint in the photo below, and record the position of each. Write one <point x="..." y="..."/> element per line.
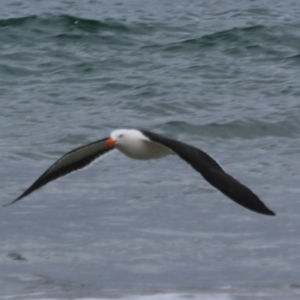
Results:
<point x="175" y="296"/>
<point x="161" y="296"/>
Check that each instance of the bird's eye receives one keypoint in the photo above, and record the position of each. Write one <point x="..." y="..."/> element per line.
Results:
<point x="120" y="135"/>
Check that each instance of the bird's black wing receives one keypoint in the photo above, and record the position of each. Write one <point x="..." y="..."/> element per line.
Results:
<point x="70" y="162"/>
<point x="213" y="173"/>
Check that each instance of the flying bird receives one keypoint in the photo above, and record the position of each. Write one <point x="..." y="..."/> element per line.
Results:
<point x="143" y="145"/>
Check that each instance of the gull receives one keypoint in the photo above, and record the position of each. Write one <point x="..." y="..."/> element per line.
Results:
<point x="143" y="145"/>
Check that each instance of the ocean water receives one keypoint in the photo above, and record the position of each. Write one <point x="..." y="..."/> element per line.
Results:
<point x="220" y="75"/>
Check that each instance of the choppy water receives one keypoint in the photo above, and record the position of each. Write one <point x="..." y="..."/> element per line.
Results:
<point x="223" y="76"/>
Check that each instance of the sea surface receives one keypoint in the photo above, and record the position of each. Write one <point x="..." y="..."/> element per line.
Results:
<point x="223" y="76"/>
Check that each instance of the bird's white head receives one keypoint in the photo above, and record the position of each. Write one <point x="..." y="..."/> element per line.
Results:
<point x="135" y="144"/>
<point x="129" y="141"/>
<point x="119" y="135"/>
<point x="124" y="137"/>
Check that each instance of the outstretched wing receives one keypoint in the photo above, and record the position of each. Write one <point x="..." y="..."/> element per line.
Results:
<point x="70" y="162"/>
<point x="213" y="173"/>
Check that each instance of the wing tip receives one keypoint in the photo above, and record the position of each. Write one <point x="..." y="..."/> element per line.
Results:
<point x="269" y="212"/>
<point x="12" y="202"/>
<point x="264" y="210"/>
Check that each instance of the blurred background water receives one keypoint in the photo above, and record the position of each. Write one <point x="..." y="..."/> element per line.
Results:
<point x="221" y="75"/>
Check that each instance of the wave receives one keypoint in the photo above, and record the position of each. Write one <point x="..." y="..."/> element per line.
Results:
<point x="230" y="36"/>
<point x="71" y="22"/>
<point x="273" y="41"/>
<point x="210" y="40"/>
<point x="15" y="22"/>
<point x="256" y="38"/>
<point x="225" y="293"/>
<point x="249" y="129"/>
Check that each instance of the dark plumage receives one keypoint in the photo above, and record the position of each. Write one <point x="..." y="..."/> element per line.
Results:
<point x="142" y="144"/>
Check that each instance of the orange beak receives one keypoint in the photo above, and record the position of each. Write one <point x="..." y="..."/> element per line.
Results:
<point x="110" y="143"/>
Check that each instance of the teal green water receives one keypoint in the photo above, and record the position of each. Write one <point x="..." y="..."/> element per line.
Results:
<point x="223" y="76"/>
